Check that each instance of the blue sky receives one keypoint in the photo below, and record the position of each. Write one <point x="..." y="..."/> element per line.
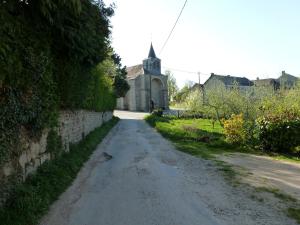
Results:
<point x="237" y="37"/>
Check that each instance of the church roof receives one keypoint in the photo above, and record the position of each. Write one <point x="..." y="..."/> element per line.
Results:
<point x="134" y="71"/>
<point x="151" y="52"/>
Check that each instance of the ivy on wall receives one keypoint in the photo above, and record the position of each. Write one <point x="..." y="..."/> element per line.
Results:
<point x="51" y="54"/>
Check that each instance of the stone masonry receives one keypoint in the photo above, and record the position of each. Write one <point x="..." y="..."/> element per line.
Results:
<point x="72" y="127"/>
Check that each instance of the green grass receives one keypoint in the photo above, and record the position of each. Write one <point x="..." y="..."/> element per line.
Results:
<point x="184" y="132"/>
<point x="294" y="213"/>
<point x="29" y="201"/>
<point x="277" y="193"/>
<point x="187" y="135"/>
<point x="286" y="158"/>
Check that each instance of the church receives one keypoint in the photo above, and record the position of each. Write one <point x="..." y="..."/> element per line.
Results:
<point x="148" y="86"/>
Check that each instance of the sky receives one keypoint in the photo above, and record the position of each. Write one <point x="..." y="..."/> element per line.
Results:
<point x="257" y="38"/>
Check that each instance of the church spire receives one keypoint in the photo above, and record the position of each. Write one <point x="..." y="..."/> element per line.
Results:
<point x="151" y="52"/>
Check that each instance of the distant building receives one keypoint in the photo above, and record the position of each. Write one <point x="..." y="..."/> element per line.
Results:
<point x="148" y="87"/>
<point x="287" y="80"/>
<point x="229" y="81"/>
<point x="273" y="83"/>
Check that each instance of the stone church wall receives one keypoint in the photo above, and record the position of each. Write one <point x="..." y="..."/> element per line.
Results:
<point x="72" y="127"/>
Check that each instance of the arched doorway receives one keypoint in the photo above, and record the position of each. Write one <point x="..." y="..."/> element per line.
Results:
<point x="157" y="93"/>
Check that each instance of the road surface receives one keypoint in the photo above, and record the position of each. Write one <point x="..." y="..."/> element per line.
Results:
<point x="148" y="182"/>
<point x="266" y="171"/>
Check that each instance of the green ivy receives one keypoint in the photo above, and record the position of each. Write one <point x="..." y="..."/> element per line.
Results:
<point x="54" y="144"/>
<point x="49" y="52"/>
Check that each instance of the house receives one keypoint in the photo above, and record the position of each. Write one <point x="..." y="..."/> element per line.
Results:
<point x="287" y="80"/>
<point x="228" y="81"/>
<point x="148" y="86"/>
<point x="270" y="82"/>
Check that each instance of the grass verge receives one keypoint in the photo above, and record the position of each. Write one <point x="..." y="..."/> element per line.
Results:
<point x="182" y="133"/>
<point x="194" y="136"/>
<point x="294" y="213"/>
<point x="29" y="201"/>
<point x="277" y="193"/>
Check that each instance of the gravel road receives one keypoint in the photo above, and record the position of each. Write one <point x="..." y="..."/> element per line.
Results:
<point x="148" y="182"/>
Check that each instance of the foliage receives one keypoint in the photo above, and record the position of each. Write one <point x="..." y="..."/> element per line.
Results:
<point x="54" y="144"/>
<point x="234" y="129"/>
<point x="49" y="52"/>
<point x="194" y="136"/>
<point x="294" y="213"/>
<point x="280" y="133"/>
<point x="100" y="94"/>
<point x="219" y="102"/>
<point x="31" y="200"/>
<point x="172" y="86"/>
<point x="279" y="121"/>
<point x="121" y="86"/>
<point x="182" y="94"/>
<point x="266" y="114"/>
<point x="157" y="112"/>
<point x="194" y="101"/>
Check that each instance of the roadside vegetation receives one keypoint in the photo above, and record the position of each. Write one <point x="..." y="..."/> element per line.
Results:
<point x="53" y="55"/>
<point x="199" y="137"/>
<point x="264" y="119"/>
<point x="206" y="138"/>
<point x="29" y="201"/>
<point x="260" y="120"/>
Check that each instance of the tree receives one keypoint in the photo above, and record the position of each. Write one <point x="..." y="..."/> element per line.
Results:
<point x="182" y="94"/>
<point x="121" y="85"/>
<point x="172" y="86"/>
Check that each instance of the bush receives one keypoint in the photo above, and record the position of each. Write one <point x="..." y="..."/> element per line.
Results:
<point x="157" y="112"/>
<point x="280" y="133"/>
<point x="153" y="119"/>
<point x="234" y="129"/>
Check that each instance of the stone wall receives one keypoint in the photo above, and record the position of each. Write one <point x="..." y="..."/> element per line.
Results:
<point x="72" y="127"/>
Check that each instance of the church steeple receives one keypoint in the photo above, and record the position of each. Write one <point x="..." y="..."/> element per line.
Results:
<point x="151" y="52"/>
<point x="151" y="65"/>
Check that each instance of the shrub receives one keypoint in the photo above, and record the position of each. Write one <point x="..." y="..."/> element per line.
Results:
<point x="234" y="129"/>
<point x="280" y="133"/>
<point x="158" y="112"/>
<point x="153" y="119"/>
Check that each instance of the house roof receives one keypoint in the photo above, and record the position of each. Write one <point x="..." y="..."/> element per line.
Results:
<point x="230" y="80"/>
<point x="285" y="77"/>
<point x="263" y="82"/>
<point x="134" y="71"/>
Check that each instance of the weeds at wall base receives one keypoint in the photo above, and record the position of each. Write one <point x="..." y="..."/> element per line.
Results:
<point x="31" y="200"/>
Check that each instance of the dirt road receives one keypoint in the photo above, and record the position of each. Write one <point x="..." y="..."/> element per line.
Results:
<point x="148" y="182"/>
<point x="265" y="171"/>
